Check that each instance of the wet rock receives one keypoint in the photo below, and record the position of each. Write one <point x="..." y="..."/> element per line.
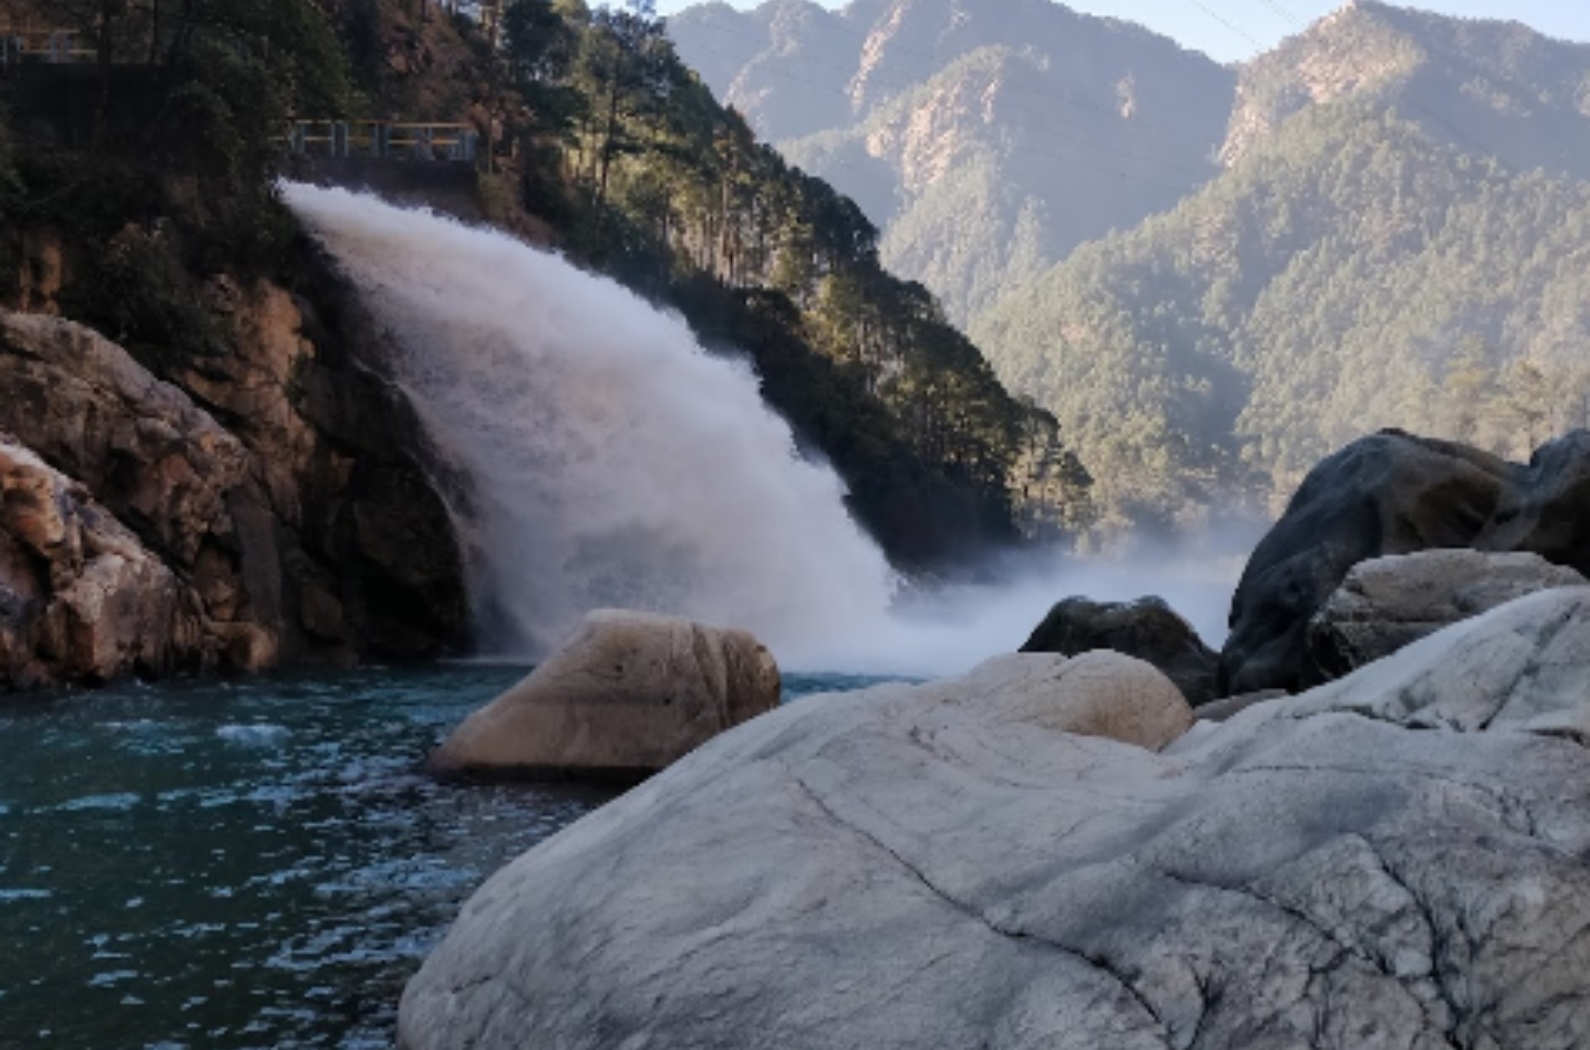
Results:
<point x="1394" y="860"/>
<point x="1146" y="628"/>
<point x="627" y="695"/>
<point x="1387" y="603"/>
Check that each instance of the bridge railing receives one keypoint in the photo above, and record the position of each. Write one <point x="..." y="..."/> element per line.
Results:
<point x="384" y="140"/>
<point x="50" y="46"/>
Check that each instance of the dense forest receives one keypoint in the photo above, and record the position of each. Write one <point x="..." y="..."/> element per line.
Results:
<point x="1349" y="273"/>
<point x="1381" y="222"/>
<point x="603" y="144"/>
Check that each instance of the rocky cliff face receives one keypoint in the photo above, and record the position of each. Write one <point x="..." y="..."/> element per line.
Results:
<point x="259" y="505"/>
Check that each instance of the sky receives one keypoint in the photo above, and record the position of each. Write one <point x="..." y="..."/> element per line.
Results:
<point x="1231" y="30"/>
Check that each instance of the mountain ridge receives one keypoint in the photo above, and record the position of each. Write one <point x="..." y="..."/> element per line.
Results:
<point x="1386" y="190"/>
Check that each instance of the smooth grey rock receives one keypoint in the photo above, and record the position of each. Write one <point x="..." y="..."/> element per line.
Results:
<point x="921" y="866"/>
<point x="1387" y="603"/>
<point x="627" y="694"/>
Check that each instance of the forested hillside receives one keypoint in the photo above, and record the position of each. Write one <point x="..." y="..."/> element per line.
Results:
<point x="987" y="140"/>
<point x="1381" y="222"/>
<point x="600" y="141"/>
<point x="1350" y="272"/>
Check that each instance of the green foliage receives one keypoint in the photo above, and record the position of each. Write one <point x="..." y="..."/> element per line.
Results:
<point x="138" y="291"/>
<point x="673" y="194"/>
<point x="1351" y="272"/>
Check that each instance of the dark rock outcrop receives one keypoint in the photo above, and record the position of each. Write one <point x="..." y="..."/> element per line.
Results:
<point x="1146" y="628"/>
<point x="924" y="866"/>
<point x="1387" y="494"/>
<point x="1390" y="493"/>
<point x="627" y="694"/>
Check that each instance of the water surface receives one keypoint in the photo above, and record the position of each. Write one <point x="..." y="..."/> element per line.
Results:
<point x="255" y="864"/>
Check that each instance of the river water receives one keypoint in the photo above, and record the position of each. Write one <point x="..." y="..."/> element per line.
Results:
<point x="249" y="864"/>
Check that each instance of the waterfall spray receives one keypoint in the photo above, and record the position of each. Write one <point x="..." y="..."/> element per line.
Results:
<point x="611" y="460"/>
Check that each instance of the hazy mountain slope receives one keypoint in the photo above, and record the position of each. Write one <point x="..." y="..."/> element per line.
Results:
<point x="1351" y="271"/>
<point x="1402" y="238"/>
<point x="1490" y="87"/>
<point x="987" y="140"/>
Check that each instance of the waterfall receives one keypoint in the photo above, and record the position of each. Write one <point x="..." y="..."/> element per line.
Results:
<point x="611" y="461"/>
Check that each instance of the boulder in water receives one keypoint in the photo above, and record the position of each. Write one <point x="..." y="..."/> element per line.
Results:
<point x="1387" y="603"/>
<point x="627" y="695"/>
<point x="912" y="866"/>
<point x="1147" y="629"/>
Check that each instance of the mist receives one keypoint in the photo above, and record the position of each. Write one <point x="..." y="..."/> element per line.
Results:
<point x="611" y="461"/>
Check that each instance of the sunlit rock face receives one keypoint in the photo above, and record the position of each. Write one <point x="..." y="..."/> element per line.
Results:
<point x="1388" y="603"/>
<point x="81" y="599"/>
<point x="1390" y="861"/>
<point x="626" y="695"/>
<point x="272" y="484"/>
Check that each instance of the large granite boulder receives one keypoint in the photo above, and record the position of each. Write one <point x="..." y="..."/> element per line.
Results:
<point x="1390" y="493"/>
<point x="81" y="600"/>
<point x="626" y="695"/>
<point x="1146" y="628"/>
<point x="1392" y="861"/>
<point x="1387" y="603"/>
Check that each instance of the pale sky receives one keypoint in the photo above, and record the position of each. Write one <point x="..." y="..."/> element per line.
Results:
<point x="1230" y="30"/>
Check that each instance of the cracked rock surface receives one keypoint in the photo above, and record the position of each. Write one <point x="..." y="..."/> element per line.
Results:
<point x="1387" y="603"/>
<point x="1396" y="860"/>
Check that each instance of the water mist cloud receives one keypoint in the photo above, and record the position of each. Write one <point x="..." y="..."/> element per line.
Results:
<point x="611" y="461"/>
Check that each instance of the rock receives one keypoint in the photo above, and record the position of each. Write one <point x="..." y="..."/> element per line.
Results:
<point x="81" y="600"/>
<point x="1548" y="512"/>
<point x="1394" y="860"/>
<point x="1147" y="629"/>
<point x="1387" y="603"/>
<point x="271" y="478"/>
<point x="1231" y="706"/>
<point x="1390" y="493"/>
<point x="628" y="694"/>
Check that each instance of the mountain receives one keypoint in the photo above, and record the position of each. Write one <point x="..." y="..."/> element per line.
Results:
<point x="1400" y="239"/>
<point x="926" y="112"/>
<point x="1487" y="87"/>
<point x="1210" y="276"/>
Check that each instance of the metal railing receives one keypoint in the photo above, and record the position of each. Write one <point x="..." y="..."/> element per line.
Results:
<point x="384" y="140"/>
<point x="54" y="47"/>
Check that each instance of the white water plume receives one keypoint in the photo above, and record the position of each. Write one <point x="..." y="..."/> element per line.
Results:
<point x="611" y="461"/>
